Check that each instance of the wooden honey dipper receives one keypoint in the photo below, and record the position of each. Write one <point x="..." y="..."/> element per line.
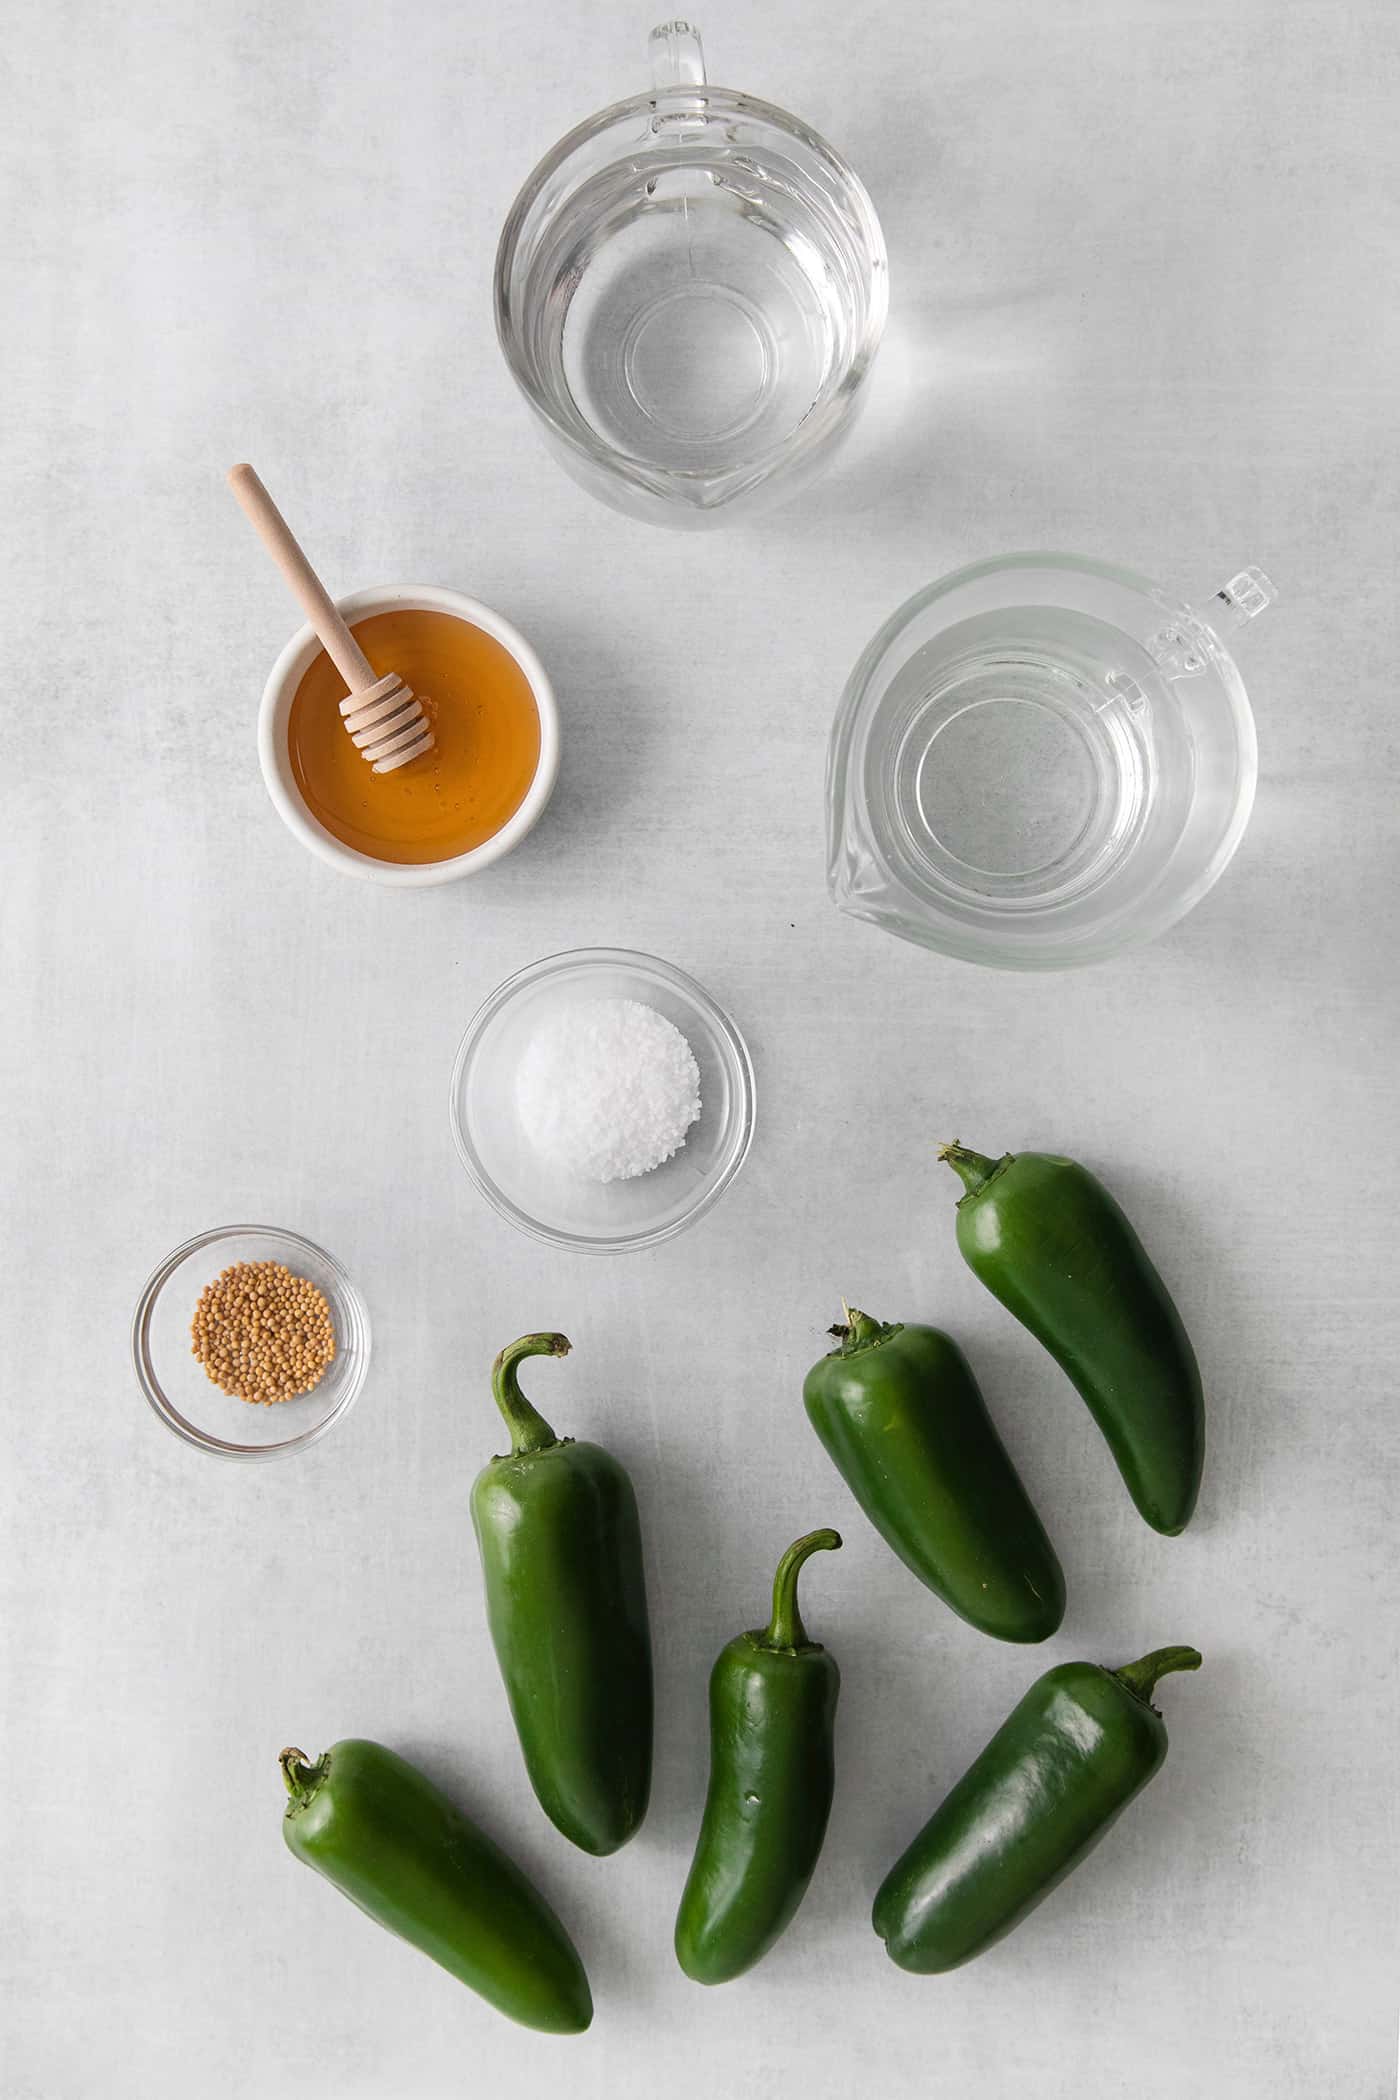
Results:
<point x="384" y="718"/>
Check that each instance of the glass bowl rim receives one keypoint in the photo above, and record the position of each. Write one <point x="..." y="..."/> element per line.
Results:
<point x="159" y="1401"/>
<point x="645" y="964"/>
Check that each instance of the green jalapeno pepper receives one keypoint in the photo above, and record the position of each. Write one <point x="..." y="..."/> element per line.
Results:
<point x="1053" y="1779"/>
<point x="380" y="1830"/>
<point x="900" y="1413"/>
<point x="772" y="1717"/>
<point x="561" y="1553"/>
<point x="1046" y="1238"/>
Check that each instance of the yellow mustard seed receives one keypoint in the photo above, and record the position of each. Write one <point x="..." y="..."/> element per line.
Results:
<point x="262" y="1333"/>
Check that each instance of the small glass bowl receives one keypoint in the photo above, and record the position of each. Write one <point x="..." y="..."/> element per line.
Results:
<point x="599" y="1217"/>
<point x="174" y="1380"/>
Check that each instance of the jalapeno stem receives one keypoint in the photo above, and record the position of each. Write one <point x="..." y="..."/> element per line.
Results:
<point x="973" y="1169"/>
<point x="1141" y="1677"/>
<point x="299" y="1773"/>
<point x="528" y="1428"/>
<point x="858" y="1331"/>
<point x="785" y="1628"/>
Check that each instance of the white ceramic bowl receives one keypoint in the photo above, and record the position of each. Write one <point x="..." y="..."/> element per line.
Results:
<point x="292" y="666"/>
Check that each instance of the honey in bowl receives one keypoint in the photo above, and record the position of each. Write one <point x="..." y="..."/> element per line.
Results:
<point x="486" y="742"/>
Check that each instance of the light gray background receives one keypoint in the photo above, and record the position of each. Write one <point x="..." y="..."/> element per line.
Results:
<point x="1144" y="307"/>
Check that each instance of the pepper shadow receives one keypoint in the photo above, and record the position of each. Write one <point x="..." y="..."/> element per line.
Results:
<point x="693" y="1611"/>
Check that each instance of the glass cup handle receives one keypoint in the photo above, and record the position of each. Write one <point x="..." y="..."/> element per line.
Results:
<point x="1240" y="600"/>
<point x="1181" y="648"/>
<point x="677" y="59"/>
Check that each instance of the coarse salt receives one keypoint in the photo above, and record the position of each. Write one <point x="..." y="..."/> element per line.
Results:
<point x="607" y="1089"/>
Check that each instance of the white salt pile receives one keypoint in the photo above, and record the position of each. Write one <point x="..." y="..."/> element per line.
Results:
<point x="607" y="1089"/>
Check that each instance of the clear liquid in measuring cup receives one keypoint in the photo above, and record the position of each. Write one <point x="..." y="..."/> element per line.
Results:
<point x="694" y="312"/>
<point x="1041" y="760"/>
<point x="1025" y="758"/>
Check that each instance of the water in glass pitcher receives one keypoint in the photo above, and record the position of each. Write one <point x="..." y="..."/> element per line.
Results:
<point x="694" y="314"/>
<point x="689" y="290"/>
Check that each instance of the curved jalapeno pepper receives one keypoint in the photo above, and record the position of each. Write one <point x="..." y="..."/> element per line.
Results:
<point x="772" y="1715"/>
<point x="377" y="1828"/>
<point x="1046" y="1238"/>
<point x="561" y="1553"/>
<point x="900" y="1413"/>
<point x="1053" y="1779"/>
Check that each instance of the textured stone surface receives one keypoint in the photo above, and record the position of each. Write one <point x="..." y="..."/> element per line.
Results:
<point x="1144" y="307"/>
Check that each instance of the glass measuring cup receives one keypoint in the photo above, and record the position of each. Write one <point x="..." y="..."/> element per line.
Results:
<point x="1042" y="760"/>
<point x="690" y="289"/>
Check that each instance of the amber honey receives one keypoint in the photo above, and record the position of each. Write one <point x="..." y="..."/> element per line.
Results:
<point x="486" y="731"/>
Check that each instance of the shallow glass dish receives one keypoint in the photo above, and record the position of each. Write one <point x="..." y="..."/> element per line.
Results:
<point x="599" y="1217"/>
<point x="174" y="1381"/>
